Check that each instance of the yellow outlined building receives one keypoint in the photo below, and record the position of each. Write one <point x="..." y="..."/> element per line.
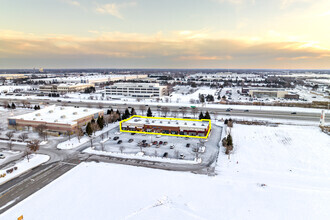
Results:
<point x="176" y="135"/>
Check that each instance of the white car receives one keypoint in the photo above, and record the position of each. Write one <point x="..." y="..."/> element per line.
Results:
<point x="2" y="156"/>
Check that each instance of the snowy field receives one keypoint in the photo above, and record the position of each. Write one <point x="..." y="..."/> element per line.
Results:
<point x="274" y="173"/>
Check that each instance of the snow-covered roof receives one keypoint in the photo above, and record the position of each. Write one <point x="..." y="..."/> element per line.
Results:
<point x="58" y="114"/>
<point x="167" y="122"/>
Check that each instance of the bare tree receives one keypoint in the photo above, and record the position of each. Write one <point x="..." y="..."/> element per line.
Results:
<point x="5" y="104"/>
<point x="41" y="129"/>
<point x="142" y="108"/>
<point x="183" y="111"/>
<point x="10" y="135"/>
<point x="10" y="144"/>
<point x="100" y="106"/>
<point x="121" y="148"/>
<point x="194" y="111"/>
<point x="69" y="134"/>
<point x="34" y="145"/>
<point x="165" y="110"/>
<point x="23" y="136"/>
<point x="79" y="133"/>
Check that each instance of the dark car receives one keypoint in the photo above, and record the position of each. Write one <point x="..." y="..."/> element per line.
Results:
<point x="293" y="113"/>
<point x="133" y="133"/>
<point x="119" y="142"/>
<point x="130" y="140"/>
<point x="165" y="142"/>
<point x="165" y="154"/>
<point x="160" y="142"/>
<point x="246" y="110"/>
<point x="188" y="145"/>
<point x="228" y="110"/>
<point x="143" y="141"/>
<point x="115" y="138"/>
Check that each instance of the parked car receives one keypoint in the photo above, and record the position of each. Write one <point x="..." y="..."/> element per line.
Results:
<point x="172" y="147"/>
<point x="119" y="142"/>
<point x="130" y="140"/>
<point x="2" y="156"/>
<point x="143" y="141"/>
<point x="133" y="133"/>
<point x="165" y="154"/>
<point x="181" y="156"/>
<point x="188" y="145"/>
<point x="160" y="142"/>
<point x="165" y="142"/>
<point x="155" y="142"/>
<point x="115" y="138"/>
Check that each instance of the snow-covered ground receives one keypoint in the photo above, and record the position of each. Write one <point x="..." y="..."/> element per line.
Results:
<point x="274" y="173"/>
<point x="8" y="154"/>
<point x="74" y="141"/>
<point x="23" y="166"/>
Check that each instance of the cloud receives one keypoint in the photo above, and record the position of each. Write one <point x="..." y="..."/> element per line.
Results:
<point x="160" y="50"/>
<point x="114" y="8"/>
<point x="235" y="2"/>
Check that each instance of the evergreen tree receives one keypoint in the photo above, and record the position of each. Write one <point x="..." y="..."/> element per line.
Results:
<point x="133" y="112"/>
<point x="108" y="112"/>
<point x="207" y="115"/>
<point x="201" y="116"/>
<point x="89" y="129"/>
<point x="100" y="122"/>
<point x="13" y="106"/>
<point x="149" y="113"/>
<point x="35" y="107"/>
<point x="229" y="140"/>
<point x="93" y="121"/>
<point x="8" y="106"/>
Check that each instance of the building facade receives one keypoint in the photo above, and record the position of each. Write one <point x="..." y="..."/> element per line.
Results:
<point x="167" y="126"/>
<point x="139" y="90"/>
<point x="56" y="119"/>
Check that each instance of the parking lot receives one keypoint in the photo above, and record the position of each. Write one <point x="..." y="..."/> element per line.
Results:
<point x="161" y="145"/>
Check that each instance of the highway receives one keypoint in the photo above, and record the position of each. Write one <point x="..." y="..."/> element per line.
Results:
<point x="176" y="109"/>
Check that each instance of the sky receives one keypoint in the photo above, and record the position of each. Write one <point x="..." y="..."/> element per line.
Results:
<point x="277" y="34"/>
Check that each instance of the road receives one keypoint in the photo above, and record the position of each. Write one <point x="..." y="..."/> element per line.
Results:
<point x="177" y="109"/>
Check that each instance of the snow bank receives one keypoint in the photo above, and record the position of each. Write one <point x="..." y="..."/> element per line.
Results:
<point x="140" y="156"/>
<point x="23" y="166"/>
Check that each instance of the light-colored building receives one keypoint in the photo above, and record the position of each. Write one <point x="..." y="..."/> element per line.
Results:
<point x="57" y="119"/>
<point x="139" y="90"/>
<point x="167" y="126"/>
<point x="94" y="79"/>
<point x="48" y="88"/>
<point x="72" y="87"/>
<point x="13" y="76"/>
<point x="268" y="92"/>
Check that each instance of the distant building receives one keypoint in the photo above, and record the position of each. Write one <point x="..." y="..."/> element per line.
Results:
<point x="167" y="126"/>
<point x="13" y="76"/>
<point x="267" y="92"/>
<point x="65" y="88"/>
<point x="56" y="119"/>
<point x="94" y="79"/>
<point x="291" y="96"/>
<point x="139" y="90"/>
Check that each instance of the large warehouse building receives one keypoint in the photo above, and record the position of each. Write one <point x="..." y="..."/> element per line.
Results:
<point x="167" y="126"/>
<point x="56" y="119"/>
<point x="140" y="90"/>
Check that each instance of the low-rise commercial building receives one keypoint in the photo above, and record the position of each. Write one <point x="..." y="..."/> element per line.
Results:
<point x="267" y="92"/>
<point x="167" y="126"/>
<point x="56" y="119"/>
<point x="139" y="90"/>
<point x="65" y="88"/>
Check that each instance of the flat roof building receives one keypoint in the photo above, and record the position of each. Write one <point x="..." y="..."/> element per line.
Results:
<point x="139" y="90"/>
<point x="267" y="92"/>
<point x="167" y="126"/>
<point x="56" y="118"/>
